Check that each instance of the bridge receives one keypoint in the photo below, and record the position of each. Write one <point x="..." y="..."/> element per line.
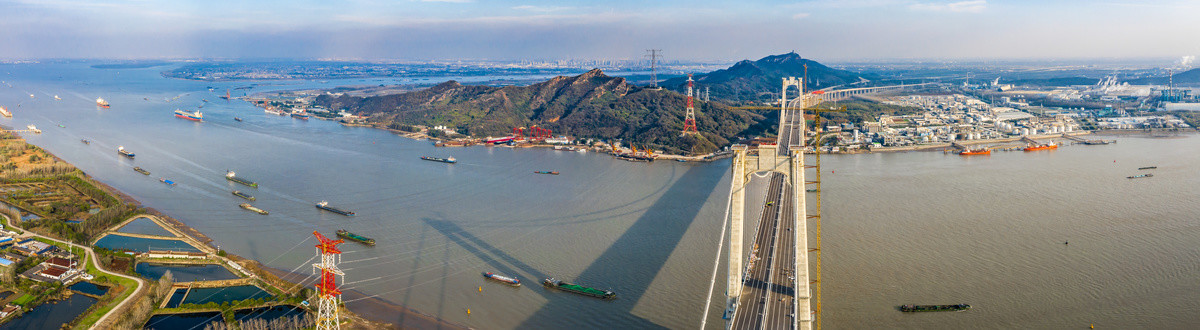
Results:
<point x="842" y="94"/>
<point x="772" y="288"/>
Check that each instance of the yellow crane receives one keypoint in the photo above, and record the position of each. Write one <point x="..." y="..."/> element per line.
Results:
<point x="815" y="240"/>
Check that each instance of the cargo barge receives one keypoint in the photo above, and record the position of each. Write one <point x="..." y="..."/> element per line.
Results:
<point x="121" y="150"/>
<point x="1148" y="168"/>
<point x="300" y="115"/>
<point x="253" y="209"/>
<point x="325" y="206"/>
<point x="1049" y="146"/>
<point x="502" y="279"/>
<point x="934" y="308"/>
<point x="546" y="172"/>
<point x="1147" y="175"/>
<point x="243" y="195"/>
<point x="449" y="160"/>
<point x="635" y="158"/>
<point x="193" y="116"/>
<point x="168" y="182"/>
<point x="578" y="289"/>
<point x="141" y="170"/>
<point x="355" y="237"/>
<point x="233" y="177"/>
<point x="975" y="152"/>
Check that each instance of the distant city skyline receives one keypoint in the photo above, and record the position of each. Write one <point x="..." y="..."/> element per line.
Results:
<point x="831" y="30"/>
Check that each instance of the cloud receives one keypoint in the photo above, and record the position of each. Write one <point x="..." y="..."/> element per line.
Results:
<point x="969" y="6"/>
<point x="540" y="9"/>
<point x="800" y="16"/>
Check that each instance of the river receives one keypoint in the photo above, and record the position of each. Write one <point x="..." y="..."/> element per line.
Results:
<point x="916" y="227"/>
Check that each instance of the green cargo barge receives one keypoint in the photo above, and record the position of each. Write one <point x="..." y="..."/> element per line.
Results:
<point x="934" y="308"/>
<point x="232" y="177"/>
<point x="578" y="289"/>
<point x="355" y="237"/>
<point x="243" y="195"/>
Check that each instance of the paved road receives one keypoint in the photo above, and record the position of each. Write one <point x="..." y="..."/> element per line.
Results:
<point x="767" y="296"/>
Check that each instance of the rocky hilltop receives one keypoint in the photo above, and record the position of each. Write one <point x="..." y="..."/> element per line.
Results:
<point x="748" y="81"/>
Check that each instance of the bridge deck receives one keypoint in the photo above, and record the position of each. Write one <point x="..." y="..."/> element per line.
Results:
<point x="767" y="296"/>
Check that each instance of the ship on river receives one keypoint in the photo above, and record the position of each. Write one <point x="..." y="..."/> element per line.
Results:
<point x="121" y="150"/>
<point x="502" y="279"/>
<point x="243" y="195"/>
<point x="233" y="177"/>
<point x="578" y="289"/>
<point x="449" y="160"/>
<point x="100" y="102"/>
<point x="325" y="206"/>
<point x="355" y="237"/>
<point x="934" y="308"/>
<point x="141" y="170"/>
<point x="193" y="116"/>
<point x="253" y="209"/>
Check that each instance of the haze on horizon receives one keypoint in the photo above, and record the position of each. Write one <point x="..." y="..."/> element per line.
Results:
<point x="620" y="29"/>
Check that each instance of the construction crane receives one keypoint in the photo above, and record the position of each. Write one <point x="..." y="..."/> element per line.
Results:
<point x="815" y="226"/>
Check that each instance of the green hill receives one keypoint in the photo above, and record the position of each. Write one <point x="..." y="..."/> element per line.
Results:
<point x="590" y="105"/>
<point x="760" y="80"/>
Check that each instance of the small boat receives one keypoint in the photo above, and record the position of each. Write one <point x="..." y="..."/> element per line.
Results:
<point x="85" y="141"/>
<point x="975" y="152"/>
<point x="57" y="98"/>
<point x="4" y="112"/>
<point x="141" y="170"/>
<point x="121" y="150"/>
<point x="1148" y="168"/>
<point x="168" y="182"/>
<point x="1147" y="175"/>
<point x="62" y="126"/>
<point x="101" y="103"/>
<point x="501" y="278"/>
<point x="934" y="308"/>
<point x="243" y="195"/>
<point x="546" y="172"/>
<point x="237" y="118"/>
<point x="448" y="160"/>
<point x="253" y="209"/>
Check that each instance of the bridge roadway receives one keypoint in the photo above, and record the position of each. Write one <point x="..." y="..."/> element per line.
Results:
<point x="767" y="296"/>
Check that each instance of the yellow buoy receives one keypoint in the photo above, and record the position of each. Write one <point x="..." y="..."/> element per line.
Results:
<point x="481" y="288"/>
<point x="468" y="311"/>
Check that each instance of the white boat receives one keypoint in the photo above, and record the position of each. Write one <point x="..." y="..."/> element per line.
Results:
<point x="4" y="111"/>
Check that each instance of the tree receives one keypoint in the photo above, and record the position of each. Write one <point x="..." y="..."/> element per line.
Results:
<point x="165" y="284"/>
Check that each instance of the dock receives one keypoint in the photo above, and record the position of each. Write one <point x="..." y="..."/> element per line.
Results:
<point x="1077" y="139"/>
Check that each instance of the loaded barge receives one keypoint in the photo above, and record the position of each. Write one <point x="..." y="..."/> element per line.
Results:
<point x="243" y="195"/>
<point x="501" y="278"/>
<point x="934" y="308"/>
<point x="121" y="150"/>
<point x="233" y="177"/>
<point x="355" y="237"/>
<point x="547" y="172"/>
<point x="449" y="160"/>
<point x="253" y="209"/>
<point x="1147" y="175"/>
<point x="141" y="170"/>
<point x="578" y="289"/>
<point x="325" y="206"/>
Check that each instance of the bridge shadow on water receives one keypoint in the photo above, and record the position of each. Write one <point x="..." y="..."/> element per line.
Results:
<point x="627" y="266"/>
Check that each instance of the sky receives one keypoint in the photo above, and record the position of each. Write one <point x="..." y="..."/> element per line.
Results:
<point x="834" y="30"/>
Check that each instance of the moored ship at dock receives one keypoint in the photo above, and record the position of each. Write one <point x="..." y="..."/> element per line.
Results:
<point x="355" y="237"/>
<point x="578" y="289"/>
<point x="501" y="278"/>
<point x="975" y="152"/>
<point x="325" y="206"/>
<point x="233" y="177"/>
<point x="1048" y="146"/>
<point x="253" y="209"/>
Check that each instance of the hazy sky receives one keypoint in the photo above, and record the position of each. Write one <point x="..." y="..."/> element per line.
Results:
<point x="601" y="29"/>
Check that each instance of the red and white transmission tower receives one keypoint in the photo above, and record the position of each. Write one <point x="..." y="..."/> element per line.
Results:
<point x="689" y="122"/>
<point x="329" y="295"/>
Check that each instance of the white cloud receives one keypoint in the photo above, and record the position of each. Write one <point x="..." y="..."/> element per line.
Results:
<point x="969" y="6"/>
<point x="800" y="16"/>
<point x="540" y="9"/>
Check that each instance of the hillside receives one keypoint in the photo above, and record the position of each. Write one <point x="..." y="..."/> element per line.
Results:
<point x="1187" y="77"/>
<point x="760" y="80"/>
<point x="590" y="105"/>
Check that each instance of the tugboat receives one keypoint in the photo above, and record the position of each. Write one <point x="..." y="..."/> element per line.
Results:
<point x="355" y="237"/>
<point x="502" y="279"/>
<point x="243" y="195"/>
<point x="934" y="308"/>
<point x="229" y="175"/>
<point x="449" y="160"/>
<point x="325" y="206"/>
<point x="141" y="170"/>
<point x="121" y="150"/>
<point x="578" y="289"/>
<point x="546" y="172"/>
<point x="253" y="209"/>
<point x="1147" y="175"/>
<point x="168" y="182"/>
<point x="973" y="152"/>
